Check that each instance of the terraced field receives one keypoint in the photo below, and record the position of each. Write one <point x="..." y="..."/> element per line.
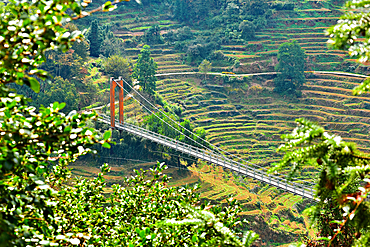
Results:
<point x="247" y="119"/>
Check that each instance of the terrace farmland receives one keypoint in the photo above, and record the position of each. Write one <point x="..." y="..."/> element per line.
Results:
<point x="247" y="118"/>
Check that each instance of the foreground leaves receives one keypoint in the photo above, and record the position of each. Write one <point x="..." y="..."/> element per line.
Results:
<point x="34" y="148"/>
<point x="145" y="212"/>
<point x="342" y="214"/>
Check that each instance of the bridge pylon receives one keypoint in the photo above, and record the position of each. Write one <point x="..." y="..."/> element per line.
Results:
<point x="113" y="85"/>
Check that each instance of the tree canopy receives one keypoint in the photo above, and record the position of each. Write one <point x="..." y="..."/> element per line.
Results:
<point x="145" y="70"/>
<point x="116" y="66"/>
<point x="205" y="67"/>
<point x="291" y="61"/>
<point x="95" y="38"/>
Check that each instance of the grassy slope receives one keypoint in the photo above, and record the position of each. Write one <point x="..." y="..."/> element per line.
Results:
<point x="248" y="120"/>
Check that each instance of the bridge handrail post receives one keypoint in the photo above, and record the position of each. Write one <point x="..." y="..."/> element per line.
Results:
<point x="312" y="191"/>
<point x="286" y="184"/>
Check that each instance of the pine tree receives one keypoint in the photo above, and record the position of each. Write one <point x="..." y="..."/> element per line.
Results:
<point x="145" y="70"/>
<point x="95" y="37"/>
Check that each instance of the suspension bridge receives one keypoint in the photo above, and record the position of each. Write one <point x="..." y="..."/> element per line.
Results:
<point x="209" y="152"/>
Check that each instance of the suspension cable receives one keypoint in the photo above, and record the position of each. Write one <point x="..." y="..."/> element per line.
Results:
<point x="212" y="145"/>
<point x="165" y="121"/>
<point x="217" y="148"/>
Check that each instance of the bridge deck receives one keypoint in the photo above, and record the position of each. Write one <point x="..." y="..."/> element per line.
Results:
<point x="217" y="159"/>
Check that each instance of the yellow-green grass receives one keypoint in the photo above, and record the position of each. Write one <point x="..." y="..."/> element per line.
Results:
<point x="336" y="96"/>
<point x="172" y="65"/>
<point x="240" y="56"/>
<point x="314" y="10"/>
<point x="176" y="70"/>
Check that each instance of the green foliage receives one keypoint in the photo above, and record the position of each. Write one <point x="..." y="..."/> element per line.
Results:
<point x="200" y="49"/>
<point x="247" y="29"/>
<point x="37" y="206"/>
<point x="60" y="90"/>
<point x="81" y="47"/>
<point x="203" y="219"/>
<point x="29" y="173"/>
<point x="116" y="66"/>
<point x="143" y="212"/>
<point x="16" y="64"/>
<point x="145" y="70"/>
<point x="67" y="65"/>
<point x="181" y="10"/>
<point x="352" y="34"/>
<point x="153" y="35"/>
<point x="291" y="58"/>
<point x="205" y="67"/>
<point x="95" y="38"/>
<point x="341" y="214"/>
<point x="110" y="45"/>
<point x="180" y="34"/>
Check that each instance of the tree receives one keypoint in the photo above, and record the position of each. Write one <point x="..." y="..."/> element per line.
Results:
<point x="95" y="38"/>
<point x="340" y="213"/>
<point x="80" y="47"/>
<point x="116" y="66"/>
<point x="29" y="175"/>
<point x="61" y="90"/>
<point x="145" y="70"/>
<point x="112" y="46"/>
<point x="181" y="10"/>
<point x="153" y="35"/>
<point x="248" y="29"/>
<point x="291" y="58"/>
<point x="205" y="67"/>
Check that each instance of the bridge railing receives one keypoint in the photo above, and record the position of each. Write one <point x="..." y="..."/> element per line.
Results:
<point x="212" y="157"/>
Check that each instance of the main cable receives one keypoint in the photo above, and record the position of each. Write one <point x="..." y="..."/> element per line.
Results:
<point x="146" y="108"/>
<point x="217" y="148"/>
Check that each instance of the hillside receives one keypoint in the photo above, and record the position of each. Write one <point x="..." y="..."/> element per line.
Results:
<point x="245" y="117"/>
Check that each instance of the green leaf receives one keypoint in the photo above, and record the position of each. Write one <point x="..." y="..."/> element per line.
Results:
<point x="142" y="233"/>
<point x="107" y="135"/>
<point x="106" y="145"/>
<point x="32" y="83"/>
<point x="194" y="238"/>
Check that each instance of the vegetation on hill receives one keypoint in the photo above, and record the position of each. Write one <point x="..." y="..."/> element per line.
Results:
<point x="341" y="214"/>
<point x="38" y="205"/>
<point x="244" y="115"/>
